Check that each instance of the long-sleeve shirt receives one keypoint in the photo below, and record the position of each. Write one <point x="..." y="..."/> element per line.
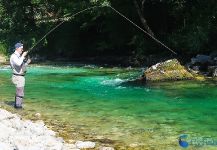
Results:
<point x="17" y="64"/>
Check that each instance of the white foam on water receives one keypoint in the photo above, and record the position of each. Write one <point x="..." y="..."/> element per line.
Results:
<point x="121" y="87"/>
<point x="147" y="90"/>
<point x="113" y="82"/>
<point x="5" y="68"/>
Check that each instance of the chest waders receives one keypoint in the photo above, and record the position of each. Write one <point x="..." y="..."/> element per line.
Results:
<point x="19" y="97"/>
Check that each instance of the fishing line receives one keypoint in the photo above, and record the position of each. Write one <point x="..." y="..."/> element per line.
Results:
<point x="89" y="8"/>
<point x="116" y="11"/>
<point x="155" y="39"/>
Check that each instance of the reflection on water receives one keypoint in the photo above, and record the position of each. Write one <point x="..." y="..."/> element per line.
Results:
<point x="94" y="104"/>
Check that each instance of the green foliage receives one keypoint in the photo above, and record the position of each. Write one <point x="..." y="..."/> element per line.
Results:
<point x="186" y="26"/>
<point x="3" y="48"/>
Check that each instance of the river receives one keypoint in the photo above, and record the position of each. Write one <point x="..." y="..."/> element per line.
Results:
<point x="97" y="104"/>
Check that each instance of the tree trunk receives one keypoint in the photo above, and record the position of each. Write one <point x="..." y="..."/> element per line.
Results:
<point x="142" y="18"/>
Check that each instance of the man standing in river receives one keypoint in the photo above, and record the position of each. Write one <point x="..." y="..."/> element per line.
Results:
<point x="18" y="65"/>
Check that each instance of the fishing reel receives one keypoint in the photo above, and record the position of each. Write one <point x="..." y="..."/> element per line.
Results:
<point x="26" y="59"/>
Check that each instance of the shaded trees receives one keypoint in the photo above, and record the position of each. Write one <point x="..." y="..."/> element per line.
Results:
<point x="189" y="27"/>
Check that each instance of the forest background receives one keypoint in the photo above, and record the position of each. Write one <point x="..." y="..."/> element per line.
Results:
<point x="187" y="27"/>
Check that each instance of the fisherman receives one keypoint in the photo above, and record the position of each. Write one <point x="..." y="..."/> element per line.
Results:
<point x="18" y="64"/>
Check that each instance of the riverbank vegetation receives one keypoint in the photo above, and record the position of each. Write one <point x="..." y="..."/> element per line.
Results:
<point x="187" y="27"/>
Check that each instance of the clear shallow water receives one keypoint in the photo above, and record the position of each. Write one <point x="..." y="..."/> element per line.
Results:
<point x="94" y="104"/>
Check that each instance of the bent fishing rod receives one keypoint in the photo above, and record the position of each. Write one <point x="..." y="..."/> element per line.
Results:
<point x="117" y="12"/>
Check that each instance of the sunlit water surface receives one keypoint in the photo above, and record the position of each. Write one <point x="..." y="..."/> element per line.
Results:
<point x="97" y="104"/>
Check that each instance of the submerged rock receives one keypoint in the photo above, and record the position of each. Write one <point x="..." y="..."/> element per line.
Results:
<point x="87" y="144"/>
<point x="106" y="148"/>
<point x="37" y="115"/>
<point x="168" y="70"/>
<point x="70" y="147"/>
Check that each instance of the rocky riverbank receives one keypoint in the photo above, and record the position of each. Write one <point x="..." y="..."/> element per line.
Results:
<point x="2" y="58"/>
<point x="173" y="70"/>
<point x="18" y="134"/>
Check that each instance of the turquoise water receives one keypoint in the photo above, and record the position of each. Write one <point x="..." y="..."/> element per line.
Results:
<point x="97" y="104"/>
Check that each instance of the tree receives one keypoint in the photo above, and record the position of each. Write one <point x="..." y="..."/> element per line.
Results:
<point x="139" y="5"/>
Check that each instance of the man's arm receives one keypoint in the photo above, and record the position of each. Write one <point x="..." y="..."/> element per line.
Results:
<point x="17" y="61"/>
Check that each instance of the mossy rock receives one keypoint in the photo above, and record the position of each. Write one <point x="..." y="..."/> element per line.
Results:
<point x="168" y="70"/>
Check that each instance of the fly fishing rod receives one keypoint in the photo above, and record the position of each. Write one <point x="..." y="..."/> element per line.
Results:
<point x="117" y="12"/>
<point x="89" y="8"/>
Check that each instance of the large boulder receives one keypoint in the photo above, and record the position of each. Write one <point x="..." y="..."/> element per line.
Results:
<point x="168" y="70"/>
<point x="215" y="72"/>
